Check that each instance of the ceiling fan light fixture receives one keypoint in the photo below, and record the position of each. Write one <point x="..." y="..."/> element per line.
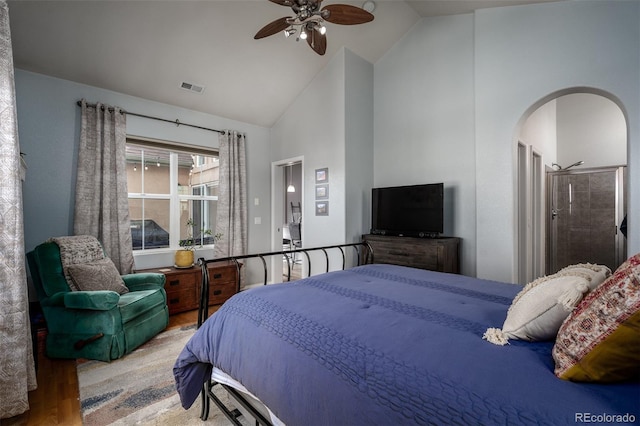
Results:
<point x="310" y="18"/>
<point x="369" y="6"/>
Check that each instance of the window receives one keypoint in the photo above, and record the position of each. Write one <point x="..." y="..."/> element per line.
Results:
<point x="168" y="185"/>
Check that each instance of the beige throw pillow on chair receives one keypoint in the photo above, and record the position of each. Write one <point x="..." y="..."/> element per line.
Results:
<point x="98" y="275"/>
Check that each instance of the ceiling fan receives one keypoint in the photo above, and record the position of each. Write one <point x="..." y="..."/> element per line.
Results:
<point x="309" y="19"/>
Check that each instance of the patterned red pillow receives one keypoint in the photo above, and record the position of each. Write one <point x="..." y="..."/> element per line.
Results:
<point x="600" y="340"/>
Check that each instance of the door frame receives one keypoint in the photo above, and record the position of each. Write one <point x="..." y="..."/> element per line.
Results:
<point x="530" y="217"/>
<point x="278" y="189"/>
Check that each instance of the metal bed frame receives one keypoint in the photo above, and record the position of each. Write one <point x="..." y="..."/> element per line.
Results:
<point x="364" y="254"/>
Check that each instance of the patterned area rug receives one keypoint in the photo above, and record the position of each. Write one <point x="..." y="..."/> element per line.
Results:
<point x="139" y="388"/>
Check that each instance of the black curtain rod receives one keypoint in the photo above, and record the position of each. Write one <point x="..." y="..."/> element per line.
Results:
<point x="176" y="122"/>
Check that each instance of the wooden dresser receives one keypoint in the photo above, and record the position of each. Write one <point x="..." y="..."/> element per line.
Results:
<point x="435" y="254"/>
<point x="183" y="285"/>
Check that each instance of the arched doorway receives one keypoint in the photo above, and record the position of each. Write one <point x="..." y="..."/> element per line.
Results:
<point x="569" y="138"/>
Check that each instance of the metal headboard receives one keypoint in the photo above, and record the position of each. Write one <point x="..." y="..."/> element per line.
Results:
<point x="364" y="254"/>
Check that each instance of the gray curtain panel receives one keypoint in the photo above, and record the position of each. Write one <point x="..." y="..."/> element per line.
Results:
<point x="231" y="220"/>
<point x="102" y="206"/>
<point x="18" y="374"/>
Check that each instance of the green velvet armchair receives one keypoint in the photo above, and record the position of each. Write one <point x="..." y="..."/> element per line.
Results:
<point x="102" y="324"/>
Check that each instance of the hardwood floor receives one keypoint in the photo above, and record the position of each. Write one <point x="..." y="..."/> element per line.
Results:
<point x="56" y="400"/>
<point x="296" y="270"/>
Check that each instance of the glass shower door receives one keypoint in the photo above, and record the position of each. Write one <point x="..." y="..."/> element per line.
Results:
<point x="586" y="208"/>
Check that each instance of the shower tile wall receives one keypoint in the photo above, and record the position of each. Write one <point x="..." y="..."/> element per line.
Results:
<point x="585" y="226"/>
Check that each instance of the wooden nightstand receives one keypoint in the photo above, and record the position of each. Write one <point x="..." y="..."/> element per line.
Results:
<point x="183" y="285"/>
<point x="223" y="282"/>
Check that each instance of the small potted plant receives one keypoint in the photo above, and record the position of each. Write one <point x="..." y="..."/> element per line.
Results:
<point x="184" y="257"/>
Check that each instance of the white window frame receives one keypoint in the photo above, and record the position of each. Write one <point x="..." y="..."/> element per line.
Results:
<point x="175" y="199"/>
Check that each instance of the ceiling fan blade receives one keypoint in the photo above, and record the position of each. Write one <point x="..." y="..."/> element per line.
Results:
<point x="283" y="2"/>
<point x="317" y="41"/>
<point x="273" y="28"/>
<point x="345" y="14"/>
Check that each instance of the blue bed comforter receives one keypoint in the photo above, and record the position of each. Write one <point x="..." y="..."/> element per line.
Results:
<point x="389" y="345"/>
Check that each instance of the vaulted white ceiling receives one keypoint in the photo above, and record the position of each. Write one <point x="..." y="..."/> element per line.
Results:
<point x="148" y="48"/>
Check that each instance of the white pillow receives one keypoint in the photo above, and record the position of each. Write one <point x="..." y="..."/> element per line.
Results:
<point x="537" y="312"/>
<point x="595" y="273"/>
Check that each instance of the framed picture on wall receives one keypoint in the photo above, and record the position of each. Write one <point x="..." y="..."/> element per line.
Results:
<point x="322" y="192"/>
<point x="322" y="208"/>
<point x="322" y="175"/>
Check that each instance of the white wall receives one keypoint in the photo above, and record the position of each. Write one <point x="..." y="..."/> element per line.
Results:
<point x="49" y="128"/>
<point x="591" y="128"/>
<point x="358" y="145"/>
<point x="539" y="131"/>
<point x="578" y="126"/>
<point x="424" y="120"/>
<point x="330" y="125"/>
<point x="313" y="127"/>
<point x="522" y="55"/>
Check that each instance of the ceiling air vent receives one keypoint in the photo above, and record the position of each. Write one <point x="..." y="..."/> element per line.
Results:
<point x="192" y="87"/>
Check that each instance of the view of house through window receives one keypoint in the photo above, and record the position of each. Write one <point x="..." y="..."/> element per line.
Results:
<point x="167" y="187"/>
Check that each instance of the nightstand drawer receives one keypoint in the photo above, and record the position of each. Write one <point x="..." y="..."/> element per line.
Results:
<point x="218" y="294"/>
<point x="182" y="300"/>
<point x="222" y="275"/>
<point x="181" y="281"/>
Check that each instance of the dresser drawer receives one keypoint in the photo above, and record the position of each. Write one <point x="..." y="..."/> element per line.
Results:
<point x="414" y="256"/>
<point x="436" y="254"/>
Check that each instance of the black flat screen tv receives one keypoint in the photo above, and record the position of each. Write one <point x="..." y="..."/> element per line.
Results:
<point x="411" y="211"/>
